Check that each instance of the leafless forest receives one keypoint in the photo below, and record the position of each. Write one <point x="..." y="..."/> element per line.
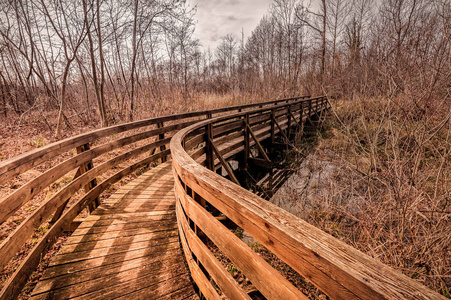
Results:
<point x="74" y="65"/>
<point x="109" y="61"/>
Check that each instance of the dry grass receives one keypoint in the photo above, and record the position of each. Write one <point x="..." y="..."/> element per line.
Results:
<point x="390" y="195"/>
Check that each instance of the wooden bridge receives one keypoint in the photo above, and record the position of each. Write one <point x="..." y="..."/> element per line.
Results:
<point x="152" y="237"/>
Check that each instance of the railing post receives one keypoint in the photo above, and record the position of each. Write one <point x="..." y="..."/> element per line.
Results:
<point x="88" y="166"/>
<point x="161" y="137"/>
<point x="322" y="109"/>
<point x="289" y="121"/>
<point x="209" y="147"/>
<point x="310" y="108"/>
<point x="302" y="118"/>
<point x="273" y="117"/>
<point x="246" y="141"/>
<point x="80" y="171"/>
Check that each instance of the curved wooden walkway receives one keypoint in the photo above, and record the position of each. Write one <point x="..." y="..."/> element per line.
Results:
<point x="128" y="248"/>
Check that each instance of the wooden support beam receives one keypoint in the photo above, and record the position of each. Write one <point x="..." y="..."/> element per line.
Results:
<point x="294" y="118"/>
<point x="309" y="108"/>
<point x="281" y="130"/>
<point x="312" y="123"/>
<point x="224" y="163"/>
<point x="247" y="144"/>
<point x="289" y="120"/>
<point x="161" y="137"/>
<point x="302" y="118"/>
<point x="273" y="138"/>
<point x="270" y="191"/>
<point x="260" y="162"/>
<point x="80" y="171"/>
<point x="208" y="147"/>
<point x="256" y="185"/>
<point x="259" y="146"/>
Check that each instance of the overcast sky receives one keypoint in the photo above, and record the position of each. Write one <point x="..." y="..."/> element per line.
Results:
<point x="216" y="18"/>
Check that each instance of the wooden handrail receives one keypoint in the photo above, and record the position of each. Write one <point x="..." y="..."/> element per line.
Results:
<point x="21" y="163"/>
<point x="133" y="145"/>
<point x="339" y="270"/>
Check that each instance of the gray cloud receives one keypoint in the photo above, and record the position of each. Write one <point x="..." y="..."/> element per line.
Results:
<point x="218" y="18"/>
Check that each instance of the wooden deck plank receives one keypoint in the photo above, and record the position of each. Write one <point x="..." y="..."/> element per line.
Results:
<point x="128" y="247"/>
<point x="117" y="242"/>
<point x="156" y="286"/>
<point x="127" y="216"/>
<point x="127" y="280"/>
<point x="142" y="226"/>
<point x="101" y="210"/>
<point x="113" y="235"/>
<point x="174" y="288"/>
<point x="114" y="222"/>
<point x="118" y="272"/>
<point x="97" y="265"/>
<point x="106" y="252"/>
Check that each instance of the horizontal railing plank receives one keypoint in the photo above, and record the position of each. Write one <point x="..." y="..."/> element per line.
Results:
<point x="262" y="275"/>
<point x="15" y="283"/>
<point x="336" y="268"/>
<point x="223" y="278"/>
<point x="19" y="164"/>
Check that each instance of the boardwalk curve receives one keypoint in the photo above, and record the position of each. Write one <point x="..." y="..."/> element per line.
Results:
<point x="127" y="248"/>
<point x="152" y="236"/>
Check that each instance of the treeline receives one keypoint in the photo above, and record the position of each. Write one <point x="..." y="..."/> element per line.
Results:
<point x="109" y="59"/>
<point x="77" y="55"/>
<point x="342" y="47"/>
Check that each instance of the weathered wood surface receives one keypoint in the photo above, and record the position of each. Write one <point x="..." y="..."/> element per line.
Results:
<point x="21" y="163"/>
<point x="127" y="248"/>
<point x="339" y="270"/>
<point x="271" y="283"/>
<point x="55" y="207"/>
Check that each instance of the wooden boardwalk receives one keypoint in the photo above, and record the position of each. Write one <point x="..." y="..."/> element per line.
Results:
<point x="128" y="248"/>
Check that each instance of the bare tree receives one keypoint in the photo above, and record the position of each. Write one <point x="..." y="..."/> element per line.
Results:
<point x="88" y="10"/>
<point x="71" y="34"/>
<point x="319" y="25"/>
<point x="338" y="12"/>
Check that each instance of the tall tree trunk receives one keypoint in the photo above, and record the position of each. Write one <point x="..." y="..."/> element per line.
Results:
<point x="3" y="84"/>
<point x="134" y="53"/>
<point x="93" y="67"/>
<point x="323" y="47"/>
<point x="102" y="68"/>
<point x="63" y="99"/>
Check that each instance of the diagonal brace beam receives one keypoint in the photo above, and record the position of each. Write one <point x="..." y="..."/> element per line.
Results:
<point x="281" y="130"/>
<point x="259" y="146"/>
<point x="224" y="163"/>
<point x="294" y="118"/>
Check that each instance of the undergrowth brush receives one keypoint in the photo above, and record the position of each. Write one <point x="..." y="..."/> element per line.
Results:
<point x="397" y="165"/>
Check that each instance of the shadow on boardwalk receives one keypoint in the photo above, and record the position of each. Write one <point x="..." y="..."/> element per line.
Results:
<point x="127" y="248"/>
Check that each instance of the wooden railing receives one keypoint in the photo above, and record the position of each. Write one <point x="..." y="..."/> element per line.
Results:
<point x="337" y="269"/>
<point x="140" y="143"/>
